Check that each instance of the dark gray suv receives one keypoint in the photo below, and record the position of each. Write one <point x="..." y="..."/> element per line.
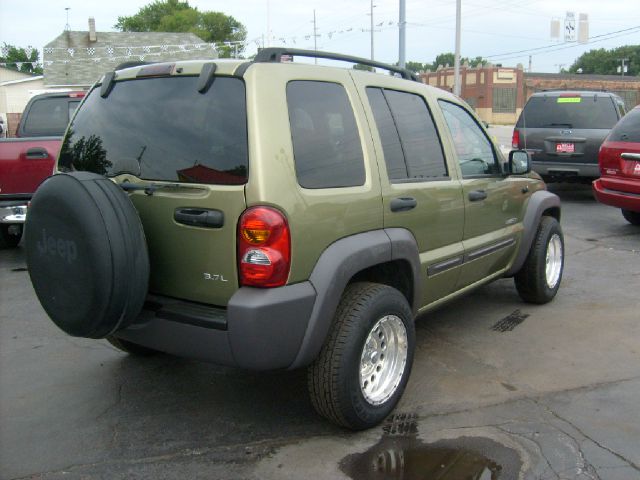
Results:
<point x="563" y="131"/>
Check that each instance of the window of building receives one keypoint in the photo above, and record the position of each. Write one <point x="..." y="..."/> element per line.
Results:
<point x="504" y="100"/>
<point x="629" y="97"/>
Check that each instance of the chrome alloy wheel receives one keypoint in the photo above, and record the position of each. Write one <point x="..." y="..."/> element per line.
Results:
<point x="383" y="360"/>
<point x="553" y="267"/>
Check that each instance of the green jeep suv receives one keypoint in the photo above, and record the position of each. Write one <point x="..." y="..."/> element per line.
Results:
<point x="280" y="215"/>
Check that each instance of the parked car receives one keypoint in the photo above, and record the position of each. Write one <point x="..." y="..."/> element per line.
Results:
<point x="619" y="158"/>
<point x="563" y="131"/>
<point x="27" y="160"/>
<point x="270" y="215"/>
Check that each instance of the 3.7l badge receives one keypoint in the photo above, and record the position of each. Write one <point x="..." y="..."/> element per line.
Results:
<point x="215" y="277"/>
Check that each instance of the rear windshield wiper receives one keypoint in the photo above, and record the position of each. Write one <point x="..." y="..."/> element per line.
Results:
<point x="569" y="125"/>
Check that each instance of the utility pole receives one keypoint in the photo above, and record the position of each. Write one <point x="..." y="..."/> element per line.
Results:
<point x="622" y="60"/>
<point x="268" y="24"/>
<point x="530" y="57"/>
<point x="560" y="65"/>
<point x="315" y="35"/>
<point x="456" y="64"/>
<point x="371" y="29"/>
<point x="402" y="25"/>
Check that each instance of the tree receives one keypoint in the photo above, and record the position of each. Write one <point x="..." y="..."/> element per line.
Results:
<point x="417" y="67"/>
<point x="475" y="62"/>
<point x="445" y="59"/>
<point x="360" y="66"/>
<point x="12" y="56"/>
<point x="606" y="62"/>
<point x="176" y="16"/>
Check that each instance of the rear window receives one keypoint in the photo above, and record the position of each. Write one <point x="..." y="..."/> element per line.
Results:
<point x="577" y="111"/>
<point x="627" y="129"/>
<point x="48" y="117"/>
<point x="162" y="129"/>
<point x="326" y="143"/>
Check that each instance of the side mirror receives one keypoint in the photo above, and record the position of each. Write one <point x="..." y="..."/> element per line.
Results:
<point x="519" y="162"/>
<point x="485" y="123"/>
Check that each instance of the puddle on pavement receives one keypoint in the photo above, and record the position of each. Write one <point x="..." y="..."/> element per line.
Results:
<point x="399" y="454"/>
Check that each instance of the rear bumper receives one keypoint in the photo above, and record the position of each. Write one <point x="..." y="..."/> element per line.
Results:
<point x="566" y="170"/>
<point x="13" y="211"/>
<point x="261" y="329"/>
<point x="616" y="198"/>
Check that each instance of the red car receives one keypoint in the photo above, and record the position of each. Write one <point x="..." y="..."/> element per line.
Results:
<point x="619" y="159"/>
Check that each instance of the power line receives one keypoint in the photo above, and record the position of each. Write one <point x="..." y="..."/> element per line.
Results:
<point x="479" y="32"/>
<point x="563" y="43"/>
<point x="576" y="45"/>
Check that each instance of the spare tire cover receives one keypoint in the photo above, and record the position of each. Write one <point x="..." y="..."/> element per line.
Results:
<point x="86" y="253"/>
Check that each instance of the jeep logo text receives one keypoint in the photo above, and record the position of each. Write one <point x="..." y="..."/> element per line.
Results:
<point x="66" y="249"/>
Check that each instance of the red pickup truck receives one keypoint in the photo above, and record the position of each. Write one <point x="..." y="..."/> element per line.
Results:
<point x="27" y="160"/>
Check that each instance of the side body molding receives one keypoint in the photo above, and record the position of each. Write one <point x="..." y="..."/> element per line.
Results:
<point x="539" y="202"/>
<point x="337" y="265"/>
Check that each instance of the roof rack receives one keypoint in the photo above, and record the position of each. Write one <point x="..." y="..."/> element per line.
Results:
<point x="274" y="55"/>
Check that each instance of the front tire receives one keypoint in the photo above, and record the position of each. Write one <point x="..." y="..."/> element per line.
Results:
<point x="10" y="234"/>
<point x="539" y="278"/>
<point x="365" y="363"/>
<point x="632" y="217"/>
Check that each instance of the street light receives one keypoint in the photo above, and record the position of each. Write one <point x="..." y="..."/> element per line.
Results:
<point x="456" y="63"/>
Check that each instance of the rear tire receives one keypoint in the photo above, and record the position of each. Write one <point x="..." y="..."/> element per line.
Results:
<point x="10" y="234"/>
<point x="130" y="348"/>
<point x="539" y="278"/>
<point x="631" y="216"/>
<point x="365" y="363"/>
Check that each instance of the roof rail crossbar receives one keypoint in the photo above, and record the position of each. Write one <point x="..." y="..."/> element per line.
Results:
<point x="274" y="55"/>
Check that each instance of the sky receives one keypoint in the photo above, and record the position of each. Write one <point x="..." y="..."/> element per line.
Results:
<point x="504" y="31"/>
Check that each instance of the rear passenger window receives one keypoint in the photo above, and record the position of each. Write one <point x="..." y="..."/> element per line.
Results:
<point x="326" y="143"/>
<point x="627" y="129"/>
<point x="410" y="142"/>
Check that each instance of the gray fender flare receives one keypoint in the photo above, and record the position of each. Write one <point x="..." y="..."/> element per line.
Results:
<point x="338" y="264"/>
<point x="539" y="202"/>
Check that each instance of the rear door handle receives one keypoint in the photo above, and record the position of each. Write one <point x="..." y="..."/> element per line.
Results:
<point x="199" y="217"/>
<point x="37" y="153"/>
<point x="403" y="204"/>
<point x="477" y="195"/>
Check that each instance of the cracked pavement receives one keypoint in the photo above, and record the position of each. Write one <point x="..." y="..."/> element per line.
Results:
<point x="561" y="388"/>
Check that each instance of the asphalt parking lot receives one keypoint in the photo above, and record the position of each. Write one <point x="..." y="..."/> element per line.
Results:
<point x="499" y="389"/>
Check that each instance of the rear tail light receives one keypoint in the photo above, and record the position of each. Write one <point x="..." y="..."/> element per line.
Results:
<point x="609" y="160"/>
<point x="515" y="140"/>
<point x="264" y="248"/>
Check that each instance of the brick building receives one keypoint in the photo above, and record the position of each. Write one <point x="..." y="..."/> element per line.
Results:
<point x="628" y="88"/>
<point x="498" y="94"/>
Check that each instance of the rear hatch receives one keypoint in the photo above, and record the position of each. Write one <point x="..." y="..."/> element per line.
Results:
<point x="566" y="128"/>
<point x="183" y="157"/>
<point x="620" y="155"/>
